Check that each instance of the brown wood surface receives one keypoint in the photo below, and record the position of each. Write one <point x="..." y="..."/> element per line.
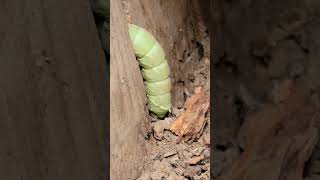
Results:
<point x="127" y="102"/>
<point x="53" y="92"/>
<point x="256" y="45"/>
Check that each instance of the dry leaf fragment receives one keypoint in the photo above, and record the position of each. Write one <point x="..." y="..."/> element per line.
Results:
<point x="191" y="122"/>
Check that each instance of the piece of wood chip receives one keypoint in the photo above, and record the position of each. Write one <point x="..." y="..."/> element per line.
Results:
<point x="195" y="160"/>
<point x="159" y="127"/>
<point x="191" y="122"/>
<point x="170" y="153"/>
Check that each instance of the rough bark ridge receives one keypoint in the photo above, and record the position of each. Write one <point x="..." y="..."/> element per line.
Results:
<point x="53" y="98"/>
<point x="127" y="101"/>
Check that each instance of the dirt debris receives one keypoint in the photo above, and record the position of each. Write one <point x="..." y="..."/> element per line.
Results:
<point x="168" y="159"/>
<point x="160" y="126"/>
<point x="195" y="159"/>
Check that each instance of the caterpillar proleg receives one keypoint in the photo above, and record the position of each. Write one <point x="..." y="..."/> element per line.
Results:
<point x="155" y="70"/>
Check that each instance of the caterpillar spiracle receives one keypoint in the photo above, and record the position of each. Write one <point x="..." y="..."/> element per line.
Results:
<point x="155" y="70"/>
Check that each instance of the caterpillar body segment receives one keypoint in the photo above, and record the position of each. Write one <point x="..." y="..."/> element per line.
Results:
<point x="158" y="88"/>
<point x="155" y="70"/>
<point x="157" y="73"/>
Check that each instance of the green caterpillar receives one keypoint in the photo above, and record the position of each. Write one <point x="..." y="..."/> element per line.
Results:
<point x="155" y="70"/>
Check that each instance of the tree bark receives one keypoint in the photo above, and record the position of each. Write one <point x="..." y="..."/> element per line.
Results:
<point x="127" y="101"/>
<point x="53" y="93"/>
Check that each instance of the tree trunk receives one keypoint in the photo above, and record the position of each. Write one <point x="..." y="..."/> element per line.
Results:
<point x="127" y="101"/>
<point x="53" y="93"/>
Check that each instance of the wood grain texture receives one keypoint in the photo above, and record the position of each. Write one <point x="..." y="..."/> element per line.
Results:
<point x="53" y="92"/>
<point x="128" y="101"/>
